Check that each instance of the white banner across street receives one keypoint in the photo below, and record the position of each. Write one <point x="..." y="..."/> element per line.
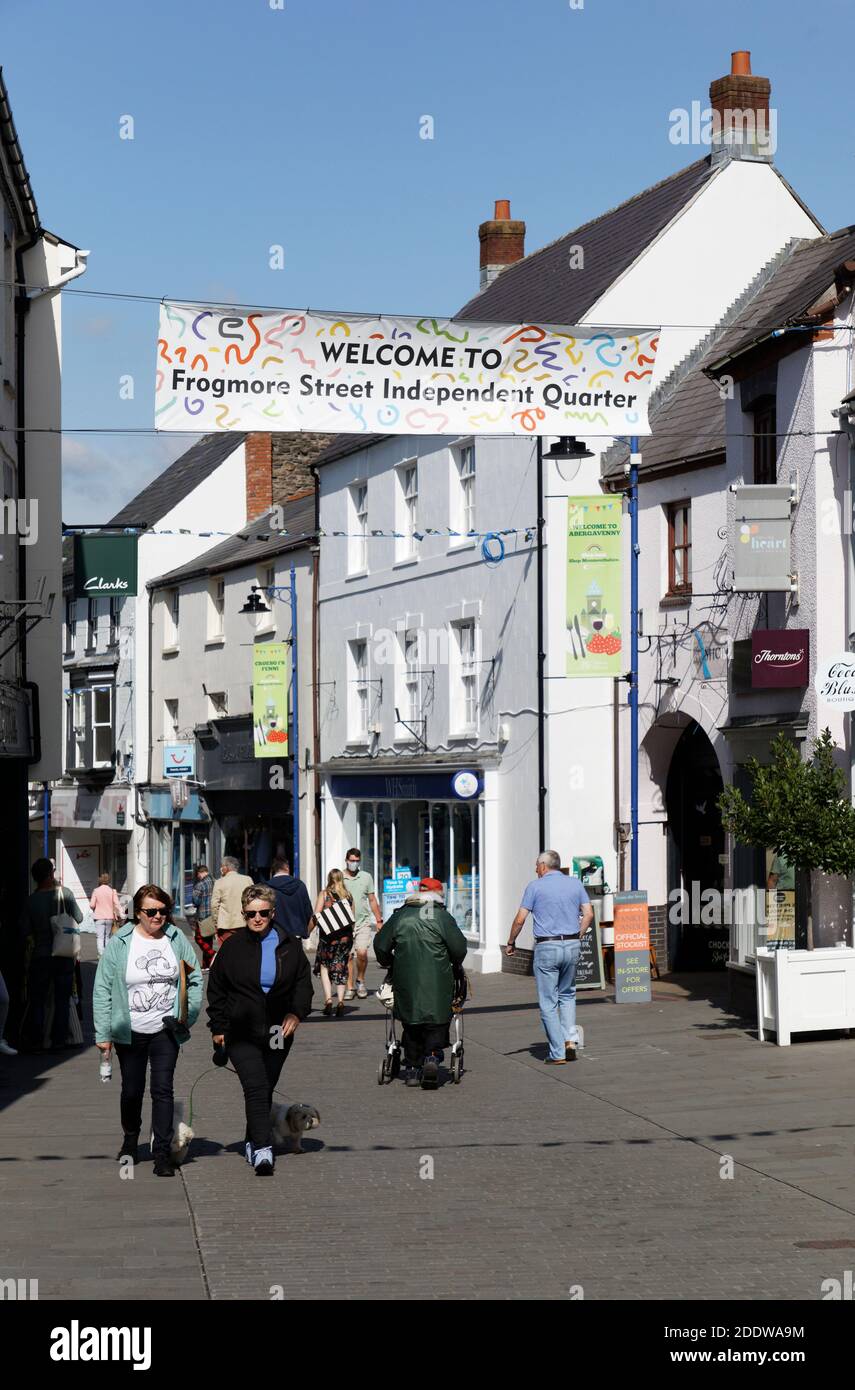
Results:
<point x="225" y="369"/>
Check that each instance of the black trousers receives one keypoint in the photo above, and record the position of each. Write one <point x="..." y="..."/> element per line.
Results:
<point x="160" y="1052"/>
<point x="420" y="1039"/>
<point x="258" y="1066"/>
<point x="44" y="972"/>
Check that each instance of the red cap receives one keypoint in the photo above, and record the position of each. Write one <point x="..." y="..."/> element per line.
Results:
<point x="430" y="885"/>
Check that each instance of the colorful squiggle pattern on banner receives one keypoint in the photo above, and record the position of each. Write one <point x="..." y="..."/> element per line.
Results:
<point x="223" y="369"/>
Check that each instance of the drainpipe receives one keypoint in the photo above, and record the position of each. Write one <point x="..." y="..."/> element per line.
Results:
<point x="634" y="460"/>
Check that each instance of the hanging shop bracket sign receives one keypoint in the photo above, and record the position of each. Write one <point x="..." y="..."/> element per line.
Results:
<point x="105" y="565"/>
<point x="761" y="539"/>
<point x="222" y="369"/>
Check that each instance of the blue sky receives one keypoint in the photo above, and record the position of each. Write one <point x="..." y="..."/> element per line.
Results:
<point x="299" y="126"/>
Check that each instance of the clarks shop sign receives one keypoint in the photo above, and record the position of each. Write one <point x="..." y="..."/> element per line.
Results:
<point x="779" y="660"/>
<point x="105" y="565"/>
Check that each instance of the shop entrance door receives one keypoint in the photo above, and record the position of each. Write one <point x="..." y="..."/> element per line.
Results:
<point x="700" y="941"/>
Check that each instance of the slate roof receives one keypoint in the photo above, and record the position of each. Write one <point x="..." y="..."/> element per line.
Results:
<point x="21" y="198"/>
<point x="178" y="480"/>
<point x="807" y="273"/>
<point x="543" y="286"/>
<point x="248" y="546"/>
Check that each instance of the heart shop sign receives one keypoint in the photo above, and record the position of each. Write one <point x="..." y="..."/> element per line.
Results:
<point x="835" y="681"/>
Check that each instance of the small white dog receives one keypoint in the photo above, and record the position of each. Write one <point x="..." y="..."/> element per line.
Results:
<point x="290" y="1122"/>
<point x="182" y="1135"/>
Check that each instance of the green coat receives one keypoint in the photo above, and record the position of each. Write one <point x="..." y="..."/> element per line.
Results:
<point x="110" y="1008"/>
<point x="420" y="941"/>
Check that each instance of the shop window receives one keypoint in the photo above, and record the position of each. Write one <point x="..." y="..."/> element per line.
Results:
<point x="463" y="887"/>
<point x="357" y="526"/>
<point x="679" y="548"/>
<point x="365" y="837"/>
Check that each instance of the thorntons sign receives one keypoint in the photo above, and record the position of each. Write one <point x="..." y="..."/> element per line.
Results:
<point x="779" y="659"/>
<point x="835" y="681"/>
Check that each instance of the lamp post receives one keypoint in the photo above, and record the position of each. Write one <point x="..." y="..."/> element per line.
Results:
<point x="254" y="606"/>
<point x="633" y="674"/>
<point x="567" y="447"/>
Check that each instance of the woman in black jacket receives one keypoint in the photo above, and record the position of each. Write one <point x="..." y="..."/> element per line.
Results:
<point x="259" y="992"/>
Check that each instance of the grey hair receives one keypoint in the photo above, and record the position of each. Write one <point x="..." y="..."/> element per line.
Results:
<point x="550" y="857"/>
<point x="229" y="862"/>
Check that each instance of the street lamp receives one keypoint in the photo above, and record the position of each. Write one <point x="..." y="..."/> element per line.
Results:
<point x="252" y="609"/>
<point x="565" y="448"/>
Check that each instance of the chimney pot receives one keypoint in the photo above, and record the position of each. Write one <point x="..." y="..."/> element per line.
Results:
<point x="740" y="63"/>
<point x="502" y="241"/>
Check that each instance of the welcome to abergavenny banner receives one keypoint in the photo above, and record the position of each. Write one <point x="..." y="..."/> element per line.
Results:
<point x="224" y="369"/>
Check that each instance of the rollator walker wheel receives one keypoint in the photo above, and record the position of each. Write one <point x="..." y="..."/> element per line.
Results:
<point x="456" y="1066"/>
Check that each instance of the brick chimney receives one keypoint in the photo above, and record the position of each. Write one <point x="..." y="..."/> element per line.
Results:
<point x="743" y="126"/>
<point x="259" y="474"/>
<point x="502" y="242"/>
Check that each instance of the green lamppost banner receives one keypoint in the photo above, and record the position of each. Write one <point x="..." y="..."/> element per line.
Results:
<point x="594" y="586"/>
<point x="105" y="565"/>
<point x="270" y="699"/>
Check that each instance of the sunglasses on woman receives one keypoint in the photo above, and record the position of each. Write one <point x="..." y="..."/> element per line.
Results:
<point x="153" y="911"/>
<point x="262" y="912"/>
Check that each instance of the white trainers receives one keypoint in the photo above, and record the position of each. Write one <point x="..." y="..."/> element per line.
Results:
<point x="263" y="1162"/>
<point x="6" y="1050"/>
<point x="361" y="991"/>
<point x="348" y="994"/>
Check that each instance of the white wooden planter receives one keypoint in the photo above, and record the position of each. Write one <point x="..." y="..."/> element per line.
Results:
<point x="805" y="991"/>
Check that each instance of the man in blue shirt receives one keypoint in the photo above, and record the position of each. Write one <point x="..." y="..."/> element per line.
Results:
<point x="562" y="912"/>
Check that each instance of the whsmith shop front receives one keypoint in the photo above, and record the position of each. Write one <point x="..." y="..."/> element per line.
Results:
<point x="414" y="824"/>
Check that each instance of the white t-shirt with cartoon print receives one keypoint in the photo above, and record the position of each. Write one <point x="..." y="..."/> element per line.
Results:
<point x="152" y="981"/>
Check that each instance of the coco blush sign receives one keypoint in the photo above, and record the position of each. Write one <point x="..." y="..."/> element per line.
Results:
<point x="835" y="681"/>
<point x="779" y="660"/>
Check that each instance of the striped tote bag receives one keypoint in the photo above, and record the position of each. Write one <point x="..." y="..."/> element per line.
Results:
<point x="336" y="920"/>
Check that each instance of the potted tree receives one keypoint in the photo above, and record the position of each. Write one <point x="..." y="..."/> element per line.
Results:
<point x="799" y="809"/>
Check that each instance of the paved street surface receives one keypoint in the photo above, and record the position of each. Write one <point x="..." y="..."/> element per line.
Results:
<point x="604" y="1174"/>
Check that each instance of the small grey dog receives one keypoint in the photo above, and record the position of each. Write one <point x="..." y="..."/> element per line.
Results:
<point x="290" y="1122"/>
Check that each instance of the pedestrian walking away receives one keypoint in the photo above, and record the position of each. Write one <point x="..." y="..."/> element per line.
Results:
<point x="47" y="969"/>
<point x="5" y="1049"/>
<point x="293" y="904"/>
<point x="335" y="944"/>
<point x="259" y="992"/>
<point x="422" y="944"/>
<point x="226" y="899"/>
<point x="366" y="910"/>
<point x="562" y="911"/>
<point x="205" y="932"/>
<point x="147" y="996"/>
<point x="107" y="911"/>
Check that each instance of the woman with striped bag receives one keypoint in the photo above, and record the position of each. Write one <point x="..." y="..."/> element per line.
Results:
<point x="335" y="919"/>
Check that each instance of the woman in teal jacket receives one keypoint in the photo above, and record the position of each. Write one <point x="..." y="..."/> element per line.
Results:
<point x="147" y="996"/>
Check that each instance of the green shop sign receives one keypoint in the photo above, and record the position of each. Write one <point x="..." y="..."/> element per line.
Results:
<point x="105" y="565"/>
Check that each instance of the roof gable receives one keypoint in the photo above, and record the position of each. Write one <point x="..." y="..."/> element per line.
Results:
<point x="177" y="481"/>
<point x="255" y="542"/>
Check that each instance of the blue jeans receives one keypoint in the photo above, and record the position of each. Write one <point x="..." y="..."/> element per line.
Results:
<point x="555" y="974"/>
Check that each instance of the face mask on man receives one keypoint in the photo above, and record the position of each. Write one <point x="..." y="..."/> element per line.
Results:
<point x="353" y="866"/>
